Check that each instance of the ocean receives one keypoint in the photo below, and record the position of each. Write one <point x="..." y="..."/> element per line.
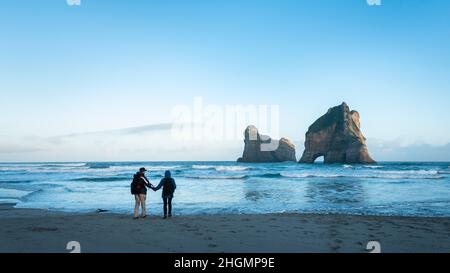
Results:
<point x="388" y="188"/>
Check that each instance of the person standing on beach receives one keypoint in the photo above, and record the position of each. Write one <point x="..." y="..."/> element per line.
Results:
<point x="168" y="185"/>
<point x="139" y="190"/>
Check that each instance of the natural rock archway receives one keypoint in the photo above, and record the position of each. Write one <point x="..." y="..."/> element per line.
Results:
<point x="337" y="137"/>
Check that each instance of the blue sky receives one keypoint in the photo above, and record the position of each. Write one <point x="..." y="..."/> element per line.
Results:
<point x="109" y="65"/>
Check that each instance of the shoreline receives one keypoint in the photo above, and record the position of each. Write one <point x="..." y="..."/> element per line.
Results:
<point x="150" y="213"/>
<point x="38" y="231"/>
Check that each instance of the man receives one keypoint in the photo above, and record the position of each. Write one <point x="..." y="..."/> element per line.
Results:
<point x="168" y="185"/>
<point x="139" y="190"/>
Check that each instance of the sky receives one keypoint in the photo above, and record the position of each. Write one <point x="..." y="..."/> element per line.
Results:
<point x="100" y="81"/>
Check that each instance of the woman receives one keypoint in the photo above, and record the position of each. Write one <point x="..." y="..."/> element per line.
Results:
<point x="169" y="186"/>
<point x="139" y="190"/>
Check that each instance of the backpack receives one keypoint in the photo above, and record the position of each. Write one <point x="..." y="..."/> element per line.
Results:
<point x="168" y="187"/>
<point x="135" y="186"/>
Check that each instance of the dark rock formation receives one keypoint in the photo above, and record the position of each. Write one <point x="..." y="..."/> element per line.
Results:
<point x="337" y="137"/>
<point x="260" y="149"/>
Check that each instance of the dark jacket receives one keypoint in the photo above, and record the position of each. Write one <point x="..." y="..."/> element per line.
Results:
<point x="139" y="184"/>
<point x="168" y="185"/>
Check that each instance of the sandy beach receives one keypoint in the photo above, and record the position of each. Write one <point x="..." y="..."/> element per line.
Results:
<point x="26" y="230"/>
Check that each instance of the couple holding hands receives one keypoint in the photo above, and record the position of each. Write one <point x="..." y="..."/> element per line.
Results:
<point x="139" y="190"/>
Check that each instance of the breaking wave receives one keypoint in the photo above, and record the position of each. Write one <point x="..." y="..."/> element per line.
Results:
<point x="220" y="168"/>
<point x="255" y="187"/>
<point x="373" y="166"/>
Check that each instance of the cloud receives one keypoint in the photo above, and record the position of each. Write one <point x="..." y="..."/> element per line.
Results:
<point x="139" y="130"/>
<point x="37" y="148"/>
<point x="146" y="129"/>
<point x="124" y="131"/>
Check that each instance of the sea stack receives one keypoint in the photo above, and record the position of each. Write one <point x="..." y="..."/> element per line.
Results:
<point x="337" y="137"/>
<point x="262" y="149"/>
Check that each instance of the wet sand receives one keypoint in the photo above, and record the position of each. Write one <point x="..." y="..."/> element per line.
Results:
<point x="26" y="230"/>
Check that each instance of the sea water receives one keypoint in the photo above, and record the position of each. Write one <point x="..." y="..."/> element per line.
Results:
<point x="388" y="188"/>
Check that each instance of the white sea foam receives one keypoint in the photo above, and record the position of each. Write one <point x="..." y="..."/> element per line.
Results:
<point x="83" y="169"/>
<point x="202" y="167"/>
<point x="306" y="175"/>
<point x="158" y="168"/>
<point x="214" y="177"/>
<point x="411" y="174"/>
<point x="13" y="168"/>
<point x="231" y="168"/>
<point x="219" y="168"/>
<point x="373" y="166"/>
<point x="40" y="166"/>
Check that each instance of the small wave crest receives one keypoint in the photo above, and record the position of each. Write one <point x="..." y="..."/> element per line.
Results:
<point x="12" y="169"/>
<point x="202" y="167"/>
<point x="373" y="166"/>
<point x="15" y="181"/>
<point x="220" y="168"/>
<point x="59" y="165"/>
<point x="269" y="175"/>
<point x="98" y="165"/>
<point x="215" y="177"/>
<point x="422" y="174"/>
<point x="231" y="168"/>
<point x="310" y="175"/>
<point x="411" y="172"/>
